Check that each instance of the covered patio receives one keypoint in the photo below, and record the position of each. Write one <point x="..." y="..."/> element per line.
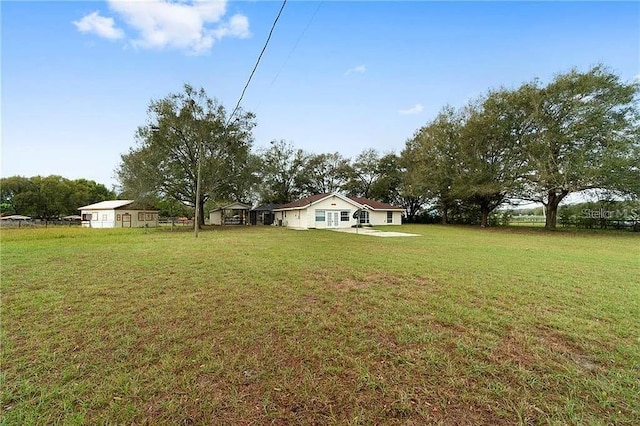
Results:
<point x="232" y="214"/>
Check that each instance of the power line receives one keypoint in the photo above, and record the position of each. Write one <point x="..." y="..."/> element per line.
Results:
<point x="296" y="44"/>
<point x="257" y="62"/>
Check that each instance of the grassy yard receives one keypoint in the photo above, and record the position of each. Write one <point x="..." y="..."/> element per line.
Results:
<point x="266" y="325"/>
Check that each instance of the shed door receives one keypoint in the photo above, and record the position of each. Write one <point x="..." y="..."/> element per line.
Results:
<point x="126" y="220"/>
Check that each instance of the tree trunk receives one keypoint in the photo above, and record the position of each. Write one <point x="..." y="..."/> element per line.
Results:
<point x="445" y="215"/>
<point x="485" y="215"/>
<point x="551" y="208"/>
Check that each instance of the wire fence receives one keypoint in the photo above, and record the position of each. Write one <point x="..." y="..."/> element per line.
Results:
<point x="42" y="223"/>
<point x="38" y="223"/>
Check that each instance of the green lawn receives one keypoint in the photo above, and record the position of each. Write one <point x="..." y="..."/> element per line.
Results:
<point x="265" y="325"/>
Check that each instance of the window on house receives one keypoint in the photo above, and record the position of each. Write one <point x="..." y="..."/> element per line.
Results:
<point x="140" y="217"/>
<point x="320" y="216"/>
<point x="118" y="217"/>
<point x="149" y="216"/>
<point x="86" y="216"/>
<point x="389" y="217"/>
<point x="104" y="217"/>
<point x="344" y="216"/>
<point x="364" y="216"/>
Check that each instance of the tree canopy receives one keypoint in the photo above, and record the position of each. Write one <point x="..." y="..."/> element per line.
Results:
<point x="49" y="197"/>
<point x="538" y="143"/>
<point x="182" y="129"/>
<point x="582" y="133"/>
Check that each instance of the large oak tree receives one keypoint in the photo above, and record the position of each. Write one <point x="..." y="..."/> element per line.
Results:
<point x="490" y="158"/>
<point x="183" y="129"/>
<point x="281" y="173"/>
<point x="431" y="160"/>
<point x="583" y="134"/>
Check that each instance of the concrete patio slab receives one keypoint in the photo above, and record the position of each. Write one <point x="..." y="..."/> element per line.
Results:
<point x="374" y="232"/>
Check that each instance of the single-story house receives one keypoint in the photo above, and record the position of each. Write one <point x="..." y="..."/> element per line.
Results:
<point x="232" y="214"/>
<point x="117" y="214"/>
<point x="336" y="211"/>
<point x="263" y="214"/>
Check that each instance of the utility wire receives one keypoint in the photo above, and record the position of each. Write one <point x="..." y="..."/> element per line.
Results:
<point x="257" y="62"/>
<point x="296" y="44"/>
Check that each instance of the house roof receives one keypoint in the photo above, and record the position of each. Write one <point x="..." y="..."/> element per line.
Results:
<point x="265" y="207"/>
<point x="107" y="205"/>
<point x="233" y="206"/>
<point x="304" y="202"/>
<point x="15" y="217"/>
<point x="357" y="201"/>
<point x="374" y="205"/>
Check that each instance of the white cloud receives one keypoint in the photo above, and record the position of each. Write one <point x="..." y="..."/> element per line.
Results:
<point x="103" y="27"/>
<point x="416" y="109"/>
<point x="189" y="25"/>
<point x="237" y="26"/>
<point x="359" y="69"/>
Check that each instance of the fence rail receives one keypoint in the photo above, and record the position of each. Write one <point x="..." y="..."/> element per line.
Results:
<point x="592" y="223"/>
<point x="37" y="223"/>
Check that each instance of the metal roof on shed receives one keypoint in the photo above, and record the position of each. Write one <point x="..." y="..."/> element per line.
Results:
<point x="107" y="205"/>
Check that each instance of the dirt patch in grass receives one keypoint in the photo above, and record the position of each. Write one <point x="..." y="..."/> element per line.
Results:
<point x="376" y="279"/>
<point x="560" y="344"/>
<point x="514" y="348"/>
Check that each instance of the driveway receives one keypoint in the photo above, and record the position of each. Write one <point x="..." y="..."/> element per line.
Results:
<point x="374" y="232"/>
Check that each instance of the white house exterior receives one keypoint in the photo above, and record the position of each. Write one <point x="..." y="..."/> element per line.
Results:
<point x="117" y="214"/>
<point x="326" y="211"/>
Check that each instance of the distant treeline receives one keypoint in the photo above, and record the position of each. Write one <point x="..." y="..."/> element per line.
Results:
<point x="49" y="197"/>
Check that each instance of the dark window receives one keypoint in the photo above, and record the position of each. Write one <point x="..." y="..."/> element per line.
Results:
<point x="364" y="216"/>
<point x="344" y="216"/>
<point x="389" y="217"/>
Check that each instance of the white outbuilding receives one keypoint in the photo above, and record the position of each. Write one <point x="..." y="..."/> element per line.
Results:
<point x="117" y="214"/>
<point x="232" y="214"/>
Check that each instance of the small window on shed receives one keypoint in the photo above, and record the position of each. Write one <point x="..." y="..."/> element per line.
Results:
<point x="389" y="217"/>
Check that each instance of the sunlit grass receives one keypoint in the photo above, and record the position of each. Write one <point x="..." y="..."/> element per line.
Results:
<point x="460" y="325"/>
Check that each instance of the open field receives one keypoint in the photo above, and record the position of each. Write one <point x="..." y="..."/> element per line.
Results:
<point x="267" y="325"/>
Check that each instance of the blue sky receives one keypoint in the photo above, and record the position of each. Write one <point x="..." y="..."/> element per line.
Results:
<point x="77" y="77"/>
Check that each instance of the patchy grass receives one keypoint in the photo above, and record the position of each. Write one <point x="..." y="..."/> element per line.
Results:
<point x="267" y="325"/>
